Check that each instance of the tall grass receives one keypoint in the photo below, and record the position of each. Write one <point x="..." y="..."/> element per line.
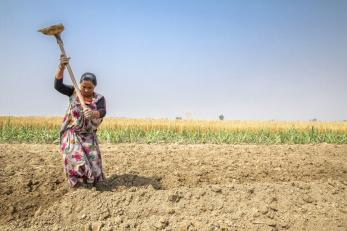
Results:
<point x="117" y="130"/>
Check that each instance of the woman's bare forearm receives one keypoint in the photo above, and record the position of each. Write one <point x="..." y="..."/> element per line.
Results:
<point x="60" y="72"/>
<point x="63" y="62"/>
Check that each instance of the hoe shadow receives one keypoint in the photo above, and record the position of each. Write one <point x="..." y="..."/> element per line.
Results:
<point x="129" y="180"/>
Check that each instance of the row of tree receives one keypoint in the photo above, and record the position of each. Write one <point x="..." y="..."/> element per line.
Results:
<point x="221" y="117"/>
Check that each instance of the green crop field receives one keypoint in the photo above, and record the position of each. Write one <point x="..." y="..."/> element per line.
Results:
<point x="117" y="130"/>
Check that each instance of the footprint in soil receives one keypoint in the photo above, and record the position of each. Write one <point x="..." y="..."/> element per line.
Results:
<point x="129" y="180"/>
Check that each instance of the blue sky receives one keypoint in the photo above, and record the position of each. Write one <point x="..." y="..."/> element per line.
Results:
<point x="247" y="60"/>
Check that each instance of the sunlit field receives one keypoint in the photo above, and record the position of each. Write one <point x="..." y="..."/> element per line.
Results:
<point x="120" y="130"/>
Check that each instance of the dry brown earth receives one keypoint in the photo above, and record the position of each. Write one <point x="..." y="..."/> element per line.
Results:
<point x="179" y="187"/>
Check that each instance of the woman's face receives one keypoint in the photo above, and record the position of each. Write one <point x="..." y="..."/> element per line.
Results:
<point x="87" y="88"/>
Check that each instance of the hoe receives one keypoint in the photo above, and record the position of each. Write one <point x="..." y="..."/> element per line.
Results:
<point x="56" y="31"/>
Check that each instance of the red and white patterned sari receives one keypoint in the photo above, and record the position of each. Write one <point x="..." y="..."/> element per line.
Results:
<point x="79" y="145"/>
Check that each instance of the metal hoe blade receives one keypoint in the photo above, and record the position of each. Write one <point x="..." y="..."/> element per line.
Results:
<point x="52" y="30"/>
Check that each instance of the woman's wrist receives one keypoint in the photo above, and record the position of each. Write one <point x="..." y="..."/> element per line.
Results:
<point x="60" y="72"/>
<point x="61" y="67"/>
<point x="96" y="114"/>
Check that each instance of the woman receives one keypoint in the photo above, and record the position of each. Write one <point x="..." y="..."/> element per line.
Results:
<point x="78" y="141"/>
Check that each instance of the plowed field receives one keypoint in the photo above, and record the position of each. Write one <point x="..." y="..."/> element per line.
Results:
<point x="178" y="187"/>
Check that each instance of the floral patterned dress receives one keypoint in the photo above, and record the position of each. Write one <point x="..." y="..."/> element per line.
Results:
<point x="79" y="145"/>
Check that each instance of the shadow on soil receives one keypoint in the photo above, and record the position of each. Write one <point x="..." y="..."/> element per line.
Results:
<point x="129" y="180"/>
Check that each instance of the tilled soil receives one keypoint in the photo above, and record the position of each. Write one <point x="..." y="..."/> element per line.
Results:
<point x="178" y="187"/>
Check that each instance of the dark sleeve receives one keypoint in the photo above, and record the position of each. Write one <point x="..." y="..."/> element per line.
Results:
<point x="101" y="107"/>
<point x="62" y="88"/>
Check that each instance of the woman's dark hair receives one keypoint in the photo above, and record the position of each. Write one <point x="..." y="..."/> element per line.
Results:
<point x="89" y="77"/>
